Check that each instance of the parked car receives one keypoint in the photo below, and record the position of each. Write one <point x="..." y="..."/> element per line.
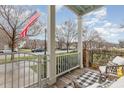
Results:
<point x="37" y="50"/>
<point x="7" y="51"/>
<point x="66" y="49"/>
<point x="1" y="51"/>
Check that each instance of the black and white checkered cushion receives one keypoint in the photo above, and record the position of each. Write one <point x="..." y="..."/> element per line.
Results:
<point x="86" y="79"/>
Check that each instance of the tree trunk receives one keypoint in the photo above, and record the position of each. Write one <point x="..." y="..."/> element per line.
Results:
<point x="13" y="45"/>
<point x="12" y="55"/>
<point x="61" y="45"/>
<point x="67" y="46"/>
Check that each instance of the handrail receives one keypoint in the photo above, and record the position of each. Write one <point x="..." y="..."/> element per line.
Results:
<point x="65" y="54"/>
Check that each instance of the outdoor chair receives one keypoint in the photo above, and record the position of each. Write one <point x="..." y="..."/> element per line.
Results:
<point x="113" y="70"/>
<point x="117" y="61"/>
<point x="110" y="71"/>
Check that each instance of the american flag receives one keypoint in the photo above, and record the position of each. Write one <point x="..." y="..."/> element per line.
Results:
<point x="32" y="19"/>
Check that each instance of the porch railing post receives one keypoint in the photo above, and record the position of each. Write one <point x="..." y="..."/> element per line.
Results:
<point x="51" y="66"/>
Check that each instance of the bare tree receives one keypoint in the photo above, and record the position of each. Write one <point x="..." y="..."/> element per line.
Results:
<point x="67" y="33"/>
<point x="59" y="38"/>
<point x="90" y="38"/>
<point x="121" y="43"/>
<point x="12" y="20"/>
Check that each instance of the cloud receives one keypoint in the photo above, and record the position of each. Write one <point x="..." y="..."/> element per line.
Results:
<point x="114" y="35"/>
<point x="102" y="31"/>
<point x="95" y="17"/>
<point x="99" y="13"/>
<point x="92" y="21"/>
<point x="102" y="12"/>
<point x="109" y="32"/>
<point x="107" y="24"/>
<point x="97" y="20"/>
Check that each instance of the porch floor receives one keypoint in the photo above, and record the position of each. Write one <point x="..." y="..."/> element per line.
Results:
<point x="65" y="79"/>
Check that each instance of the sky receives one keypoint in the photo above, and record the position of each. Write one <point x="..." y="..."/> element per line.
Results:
<point x="106" y="20"/>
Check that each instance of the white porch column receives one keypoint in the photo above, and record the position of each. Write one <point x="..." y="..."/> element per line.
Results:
<point x="51" y="67"/>
<point x="80" y="46"/>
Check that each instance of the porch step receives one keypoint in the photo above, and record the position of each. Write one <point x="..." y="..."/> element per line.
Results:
<point x="66" y="79"/>
<point x="54" y="86"/>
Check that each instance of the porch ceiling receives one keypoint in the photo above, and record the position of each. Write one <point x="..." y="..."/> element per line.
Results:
<point x="83" y="9"/>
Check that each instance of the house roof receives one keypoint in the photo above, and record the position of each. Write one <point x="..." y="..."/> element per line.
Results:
<point x="83" y="9"/>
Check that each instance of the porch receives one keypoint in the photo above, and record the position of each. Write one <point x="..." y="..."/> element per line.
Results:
<point x="30" y="70"/>
<point x="55" y="70"/>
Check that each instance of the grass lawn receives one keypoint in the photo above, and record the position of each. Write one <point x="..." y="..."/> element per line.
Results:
<point x="21" y="58"/>
<point x="24" y="50"/>
<point x="42" y="69"/>
<point x="35" y="68"/>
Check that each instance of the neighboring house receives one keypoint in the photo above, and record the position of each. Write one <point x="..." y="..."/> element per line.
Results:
<point x="35" y="43"/>
<point x="4" y="40"/>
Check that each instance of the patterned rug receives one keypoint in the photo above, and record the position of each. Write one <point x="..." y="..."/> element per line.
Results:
<point x="88" y="79"/>
<point x="106" y="84"/>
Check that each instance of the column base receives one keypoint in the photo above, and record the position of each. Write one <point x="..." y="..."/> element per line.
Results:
<point x="81" y="66"/>
<point x="52" y="81"/>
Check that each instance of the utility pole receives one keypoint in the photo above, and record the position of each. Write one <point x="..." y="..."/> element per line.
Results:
<point x="45" y="57"/>
<point x="45" y="49"/>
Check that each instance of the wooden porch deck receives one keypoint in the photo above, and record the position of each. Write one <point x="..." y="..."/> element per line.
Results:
<point x="65" y="79"/>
